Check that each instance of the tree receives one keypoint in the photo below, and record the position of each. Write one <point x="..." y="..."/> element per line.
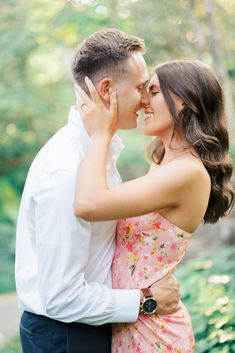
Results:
<point x="218" y="54"/>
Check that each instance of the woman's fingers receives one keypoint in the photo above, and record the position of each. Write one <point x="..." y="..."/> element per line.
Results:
<point x="83" y="97"/>
<point x="93" y="91"/>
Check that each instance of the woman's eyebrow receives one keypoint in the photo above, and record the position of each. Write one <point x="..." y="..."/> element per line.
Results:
<point x="153" y="86"/>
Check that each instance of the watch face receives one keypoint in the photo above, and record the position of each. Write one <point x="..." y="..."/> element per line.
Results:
<point x="149" y="306"/>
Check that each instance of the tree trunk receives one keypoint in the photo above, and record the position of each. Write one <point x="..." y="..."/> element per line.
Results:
<point x="197" y="29"/>
<point x="217" y="52"/>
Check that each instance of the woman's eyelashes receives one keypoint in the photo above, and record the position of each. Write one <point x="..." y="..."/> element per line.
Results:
<point x="154" y="93"/>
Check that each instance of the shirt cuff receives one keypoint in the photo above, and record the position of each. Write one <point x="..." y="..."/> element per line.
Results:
<point x="127" y="304"/>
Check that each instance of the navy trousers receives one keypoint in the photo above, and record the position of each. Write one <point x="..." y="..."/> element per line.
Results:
<point x="39" y="334"/>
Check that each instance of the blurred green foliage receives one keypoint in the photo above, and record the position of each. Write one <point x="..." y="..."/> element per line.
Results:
<point x="208" y="291"/>
<point x="7" y="251"/>
<point x="12" y="346"/>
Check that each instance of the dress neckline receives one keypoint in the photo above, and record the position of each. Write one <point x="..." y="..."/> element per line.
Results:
<point x="168" y="221"/>
<point x="160" y="216"/>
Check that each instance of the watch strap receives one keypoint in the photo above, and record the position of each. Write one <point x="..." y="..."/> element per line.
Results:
<point x="147" y="293"/>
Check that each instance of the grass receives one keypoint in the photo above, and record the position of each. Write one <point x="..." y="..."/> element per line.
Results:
<point x="12" y="346"/>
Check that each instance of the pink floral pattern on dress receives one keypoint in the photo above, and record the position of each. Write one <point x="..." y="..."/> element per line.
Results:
<point x="147" y="248"/>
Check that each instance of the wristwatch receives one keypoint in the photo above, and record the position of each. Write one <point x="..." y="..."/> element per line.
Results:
<point x="149" y="304"/>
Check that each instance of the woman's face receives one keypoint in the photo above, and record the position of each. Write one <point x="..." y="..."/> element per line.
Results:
<point x="158" y="119"/>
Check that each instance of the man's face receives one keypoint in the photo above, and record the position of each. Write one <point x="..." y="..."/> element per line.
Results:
<point x="132" y="92"/>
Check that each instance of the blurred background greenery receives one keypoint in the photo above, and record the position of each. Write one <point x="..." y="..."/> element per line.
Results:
<point x="37" y="41"/>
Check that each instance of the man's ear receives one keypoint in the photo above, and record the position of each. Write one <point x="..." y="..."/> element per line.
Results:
<point x="103" y="88"/>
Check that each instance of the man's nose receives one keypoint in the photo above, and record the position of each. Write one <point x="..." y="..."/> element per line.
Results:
<point x="144" y="99"/>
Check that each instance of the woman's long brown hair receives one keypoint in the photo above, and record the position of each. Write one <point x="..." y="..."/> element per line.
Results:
<point x="202" y="122"/>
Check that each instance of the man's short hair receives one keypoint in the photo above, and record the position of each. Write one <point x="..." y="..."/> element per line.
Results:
<point x="104" y="53"/>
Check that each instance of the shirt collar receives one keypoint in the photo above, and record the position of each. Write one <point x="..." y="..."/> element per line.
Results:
<point x="116" y="145"/>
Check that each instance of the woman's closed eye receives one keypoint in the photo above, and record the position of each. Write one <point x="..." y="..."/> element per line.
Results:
<point x="154" y="93"/>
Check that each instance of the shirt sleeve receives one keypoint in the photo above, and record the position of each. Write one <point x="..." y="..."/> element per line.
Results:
<point x="62" y="247"/>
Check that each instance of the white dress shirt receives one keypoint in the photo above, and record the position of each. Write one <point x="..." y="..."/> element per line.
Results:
<point x="63" y="263"/>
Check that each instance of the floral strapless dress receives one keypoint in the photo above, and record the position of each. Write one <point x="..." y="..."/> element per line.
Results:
<point x="147" y="248"/>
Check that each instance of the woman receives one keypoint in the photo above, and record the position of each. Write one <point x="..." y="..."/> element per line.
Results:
<point x="189" y="182"/>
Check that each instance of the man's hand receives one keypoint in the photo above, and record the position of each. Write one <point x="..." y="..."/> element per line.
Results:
<point x="167" y="293"/>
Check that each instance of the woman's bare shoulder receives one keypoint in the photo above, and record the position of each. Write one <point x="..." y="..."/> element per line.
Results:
<point x="195" y="169"/>
<point x="186" y="171"/>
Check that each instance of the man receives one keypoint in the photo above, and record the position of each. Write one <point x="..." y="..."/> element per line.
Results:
<point x="63" y="263"/>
